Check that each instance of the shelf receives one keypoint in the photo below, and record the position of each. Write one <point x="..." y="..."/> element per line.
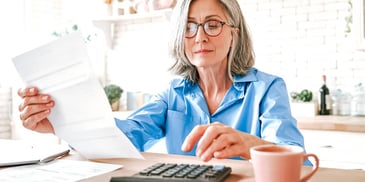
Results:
<point x="334" y="123"/>
<point x="107" y="23"/>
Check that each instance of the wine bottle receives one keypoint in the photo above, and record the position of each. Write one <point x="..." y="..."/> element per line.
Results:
<point x="324" y="98"/>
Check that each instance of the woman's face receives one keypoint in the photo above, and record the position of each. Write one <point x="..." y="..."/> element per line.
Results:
<point x="202" y="50"/>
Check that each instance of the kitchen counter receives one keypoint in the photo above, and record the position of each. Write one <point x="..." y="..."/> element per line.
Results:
<point x="334" y="123"/>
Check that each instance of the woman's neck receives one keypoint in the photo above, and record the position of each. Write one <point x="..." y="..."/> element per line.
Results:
<point x="214" y="86"/>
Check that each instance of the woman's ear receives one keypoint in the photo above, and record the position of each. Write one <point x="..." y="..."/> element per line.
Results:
<point x="236" y="30"/>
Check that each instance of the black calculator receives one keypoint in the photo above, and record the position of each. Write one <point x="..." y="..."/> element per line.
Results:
<point x="179" y="172"/>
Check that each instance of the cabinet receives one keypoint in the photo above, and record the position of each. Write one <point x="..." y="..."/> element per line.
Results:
<point x="337" y="149"/>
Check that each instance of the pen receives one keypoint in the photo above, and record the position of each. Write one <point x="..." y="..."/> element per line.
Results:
<point x="55" y="156"/>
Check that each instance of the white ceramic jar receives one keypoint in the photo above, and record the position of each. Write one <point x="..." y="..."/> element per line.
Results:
<point x="358" y="101"/>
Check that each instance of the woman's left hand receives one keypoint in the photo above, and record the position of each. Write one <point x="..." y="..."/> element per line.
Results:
<point x="220" y="141"/>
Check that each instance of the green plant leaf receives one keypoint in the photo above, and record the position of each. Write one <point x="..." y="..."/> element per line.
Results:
<point x="113" y="92"/>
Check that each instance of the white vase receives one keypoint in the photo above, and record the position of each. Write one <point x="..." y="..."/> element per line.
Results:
<point x="303" y="109"/>
<point x="107" y="10"/>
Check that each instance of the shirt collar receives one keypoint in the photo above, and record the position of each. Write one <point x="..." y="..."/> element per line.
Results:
<point x="239" y="82"/>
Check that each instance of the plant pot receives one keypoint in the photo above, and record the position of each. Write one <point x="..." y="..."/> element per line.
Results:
<point x="115" y="106"/>
<point x="304" y="109"/>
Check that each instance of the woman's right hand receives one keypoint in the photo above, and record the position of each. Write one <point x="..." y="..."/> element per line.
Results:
<point x="34" y="110"/>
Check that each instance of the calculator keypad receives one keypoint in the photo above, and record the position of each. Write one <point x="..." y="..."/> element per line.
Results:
<point x="171" y="171"/>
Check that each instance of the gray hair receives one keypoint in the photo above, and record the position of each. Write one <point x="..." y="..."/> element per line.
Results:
<point x="241" y="57"/>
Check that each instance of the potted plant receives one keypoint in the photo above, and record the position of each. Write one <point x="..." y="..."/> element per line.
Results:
<point x="304" y="96"/>
<point x="302" y="103"/>
<point x="114" y="93"/>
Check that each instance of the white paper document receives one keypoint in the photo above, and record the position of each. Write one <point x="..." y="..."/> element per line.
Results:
<point x="82" y="115"/>
<point x="18" y="152"/>
<point x="56" y="171"/>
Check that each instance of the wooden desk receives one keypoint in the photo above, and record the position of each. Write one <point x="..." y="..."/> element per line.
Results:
<point x="241" y="170"/>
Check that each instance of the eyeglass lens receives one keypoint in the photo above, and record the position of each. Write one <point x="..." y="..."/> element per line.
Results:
<point x="211" y="28"/>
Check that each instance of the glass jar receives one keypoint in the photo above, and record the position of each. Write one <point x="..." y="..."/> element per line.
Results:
<point x="345" y="104"/>
<point x="358" y="105"/>
<point x="358" y="101"/>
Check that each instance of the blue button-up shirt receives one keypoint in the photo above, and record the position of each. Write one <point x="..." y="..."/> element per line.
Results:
<point x="257" y="103"/>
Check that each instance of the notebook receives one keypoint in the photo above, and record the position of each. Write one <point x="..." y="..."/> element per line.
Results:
<point x="18" y="152"/>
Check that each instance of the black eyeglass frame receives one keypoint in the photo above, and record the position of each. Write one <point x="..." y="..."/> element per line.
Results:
<point x="222" y="23"/>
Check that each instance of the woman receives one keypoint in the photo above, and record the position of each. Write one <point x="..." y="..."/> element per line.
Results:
<point x="219" y="107"/>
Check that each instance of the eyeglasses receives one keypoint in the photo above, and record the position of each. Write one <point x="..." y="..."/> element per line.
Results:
<point x="211" y="27"/>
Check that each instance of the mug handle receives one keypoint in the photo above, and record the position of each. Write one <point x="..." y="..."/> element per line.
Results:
<point x="314" y="169"/>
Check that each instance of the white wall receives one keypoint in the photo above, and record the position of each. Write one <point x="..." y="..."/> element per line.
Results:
<point x="139" y="60"/>
<point x="301" y="40"/>
<point x="297" y="40"/>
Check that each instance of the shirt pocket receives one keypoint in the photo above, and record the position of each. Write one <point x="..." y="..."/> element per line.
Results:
<point x="178" y="126"/>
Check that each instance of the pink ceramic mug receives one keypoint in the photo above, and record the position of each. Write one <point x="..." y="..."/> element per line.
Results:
<point x="280" y="163"/>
